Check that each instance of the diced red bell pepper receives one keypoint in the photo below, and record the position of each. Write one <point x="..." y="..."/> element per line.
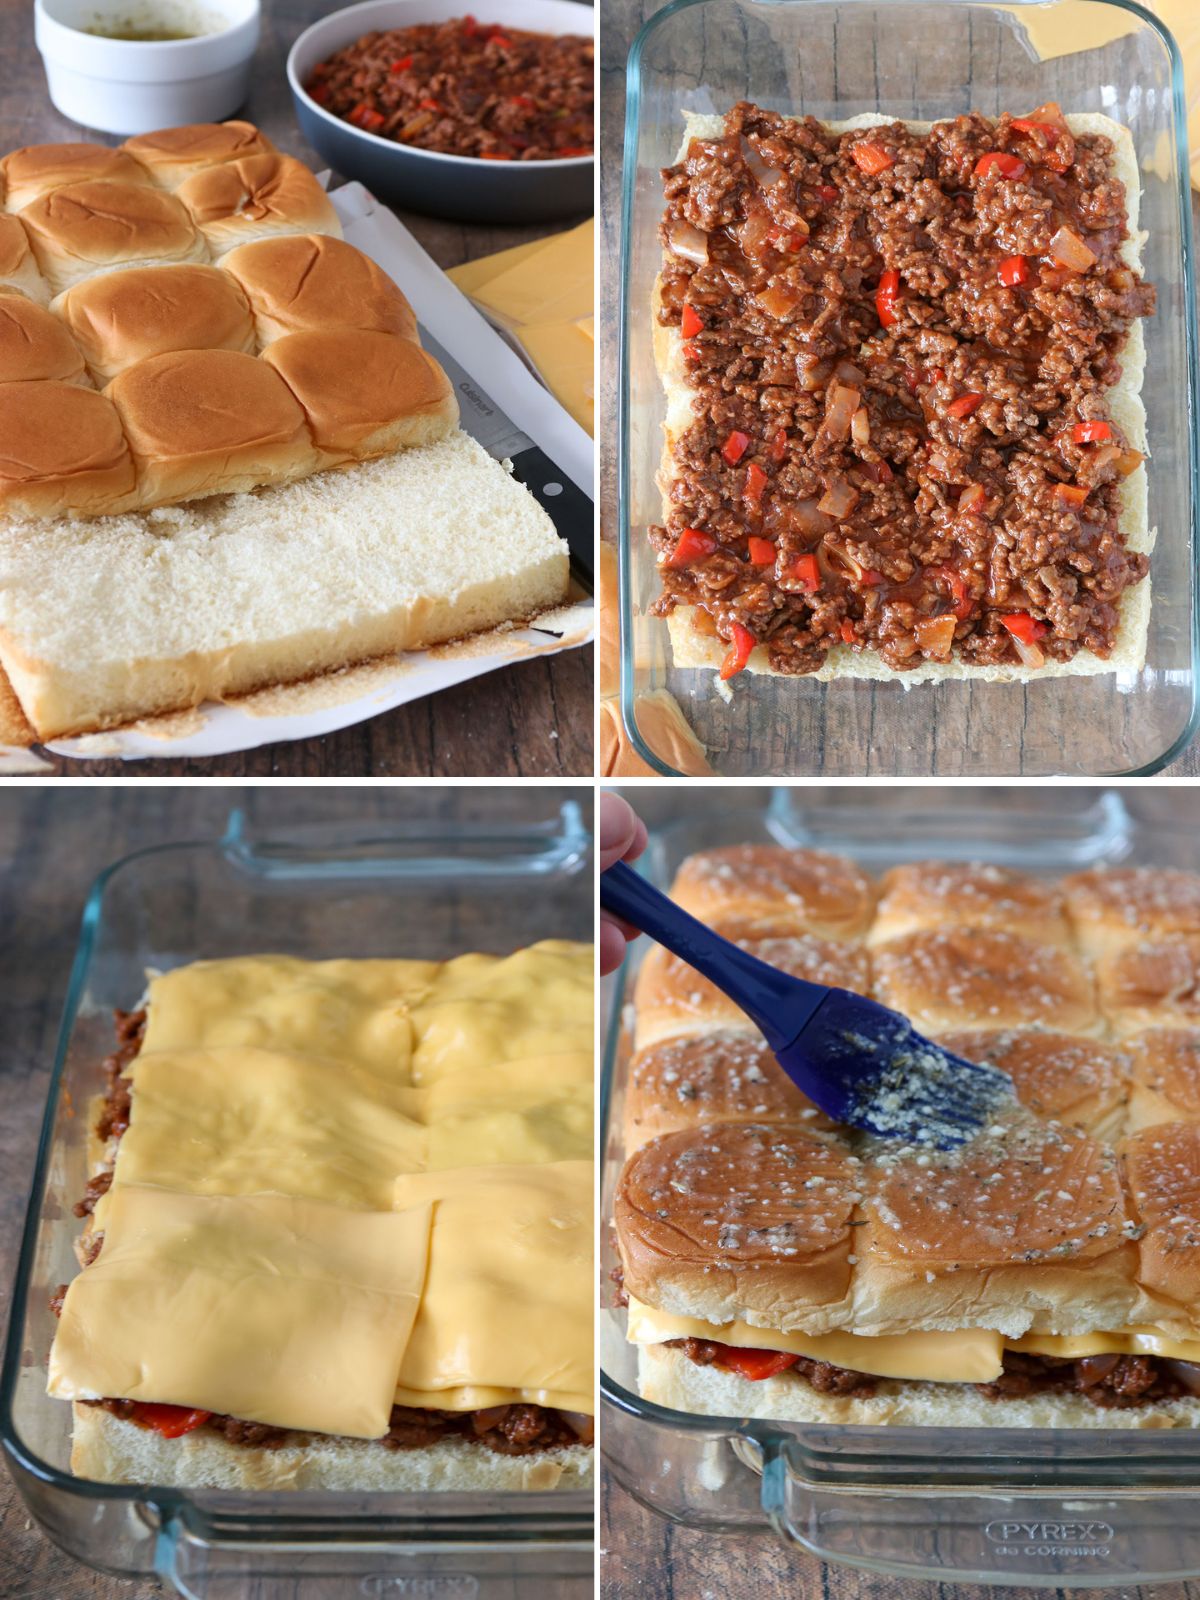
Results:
<point x="827" y="193"/>
<point x="1014" y="271"/>
<point x="1053" y="156"/>
<point x="691" y="350"/>
<point x="957" y="585"/>
<point x="779" y="445"/>
<point x="525" y="100"/>
<point x="430" y="104"/>
<point x="1091" y="432"/>
<point x="756" y="482"/>
<point x="692" y="545"/>
<point x="886" y="295"/>
<point x="742" y="643"/>
<point x="469" y="26"/>
<point x="171" y="1421"/>
<point x="366" y="117"/>
<point x="755" y="1364"/>
<point x="847" y="632"/>
<point x="964" y="405"/>
<point x="871" y="158"/>
<point x="501" y="39"/>
<point x="1024" y="627"/>
<point x="689" y="323"/>
<point x="1071" y="494"/>
<point x="1028" y="125"/>
<point x="735" y="447"/>
<point x="787" y="239"/>
<point x="1001" y="163"/>
<point x="402" y="65"/>
<point x="869" y="578"/>
<point x="762" y="551"/>
<point x="318" y="92"/>
<point x="807" y="573"/>
<point x="495" y="155"/>
<point x="879" y="470"/>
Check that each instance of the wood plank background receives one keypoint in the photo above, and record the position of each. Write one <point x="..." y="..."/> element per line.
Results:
<point x="533" y="719"/>
<point x="645" y="1557"/>
<point x="53" y="842"/>
<point x="795" y="726"/>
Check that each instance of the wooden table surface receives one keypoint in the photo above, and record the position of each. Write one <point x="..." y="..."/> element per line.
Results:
<point x="787" y="728"/>
<point x="645" y="1557"/>
<point x="530" y="719"/>
<point x="53" y="842"/>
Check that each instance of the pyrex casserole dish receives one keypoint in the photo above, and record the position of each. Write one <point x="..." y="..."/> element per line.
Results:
<point x="1044" y="1508"/>
<point x="427" y="889"/>
<point x="917" y="61"/>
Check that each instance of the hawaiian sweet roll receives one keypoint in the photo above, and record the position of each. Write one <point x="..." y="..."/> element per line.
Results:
<point x="18" y="267"/>
<point x="936" y="894"/>
<point x="34" y="344"/>
<point x="1165" y="1085"/>
<point x="723" y="1075"/>
<point x="1162" y="1168"/>
<point x="957" y="978"/>
<point x="306" y="283"/>
<point x="741" y="1220"/>
<point x="672" y="997"/>
<point x="100" y="226"/>
<point x="37" y="169"/>
<point x="120" y="318"/>
<point x="364" y="394"/>
<point x="62" y="447"/>
<point x="1152" y="983"/>
<point x="210" y="421"/>
<point x="1057" y="1076"/>
<point x="255" y="198"/>
<point x="777" y="890"/>
<point x="170" y="155"/>
<point x="1117" y="906"/>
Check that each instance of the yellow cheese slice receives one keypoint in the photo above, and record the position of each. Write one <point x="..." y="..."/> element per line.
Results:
<point x="508" y="1293"/>
<point x="566" y="360"/>
<point x="972" y="1356"/>
<point x="353" y="1011"/>
<point x="510" y="1112"/>
<point x="247" y="1121"/>
<point x="472" y="275"/>
<point x="550" y="284"/>
<point x="273" y="1309"/>
<point x="587" y="326"/>
<point x="1124" y="1342"/>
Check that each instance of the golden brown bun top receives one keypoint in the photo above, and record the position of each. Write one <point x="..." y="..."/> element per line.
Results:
<point x="1126" y="903"/>
<point x="119" y="317"/>
<point x="197" y="401"/>
<point x="38" y="168"/>
<point x="302" y="283"/>
<point x="56" y="429"/>
<point x="977" y="977"/>
<point x="1162" y="1166"/>
<point x="703" y="1077"/>
<point x="347" y="376"/>
<point x="34" y="343"/>
<point x="1167" y="1061"/>
<point x="833" y="962"/>
<point x="104" y="221"/>
<point x="14" y="247"/>
<point x="736" y="1195"/>
<point x="778" y="890"/>
<point x="931" y="894"/>
<point x="1053" y="1072"/>
<point x="1155" y="974"/>
<point x="171" y="154"/>
<point x="1037" y="1192"/>
<point x="262" y="188"/>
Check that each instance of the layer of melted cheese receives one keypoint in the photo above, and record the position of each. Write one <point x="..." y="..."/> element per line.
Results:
<point x="442" y="1111"/>
<point x="970" y="1355"/>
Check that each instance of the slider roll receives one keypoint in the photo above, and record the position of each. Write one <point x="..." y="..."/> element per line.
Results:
<point x="18" y="267"/>
<point x="772" y="890"/>
<point x="927" y="895"/>
<point x="1166" y="1077"/>
<point x="1114" y="907"/>
<point x="100" y="226"/>
<point x="61" y="447"/>
<point x="257" y="197"/>
<point x="171" y="155"/>
<point x="1057" y="1076"/>
<point x="311" y="283"/>
<point x="39" y="169"/>
<point x="35" y="345"/>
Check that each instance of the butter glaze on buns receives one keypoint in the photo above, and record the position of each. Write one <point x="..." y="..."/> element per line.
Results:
<point x="933" y="894"/>
<point x="35" y="345"/>
<point x="1156" y="980"/>
<point x="1166" y="1077"/>
<point x="120" y="318"/>
<point x="170" y="155"/>
<point x="208" y="421"/>
<point x="1162" y="1166"/>
<point x="777" y="890"/>
<point x="957" y="978"/>
<point x="18" y="267"/>
<point x="60" y="444"/>
<point x="1116" y="906"/>
<point x="364" y="394"/>
<point x="255" y="198"/>
<point x="1056" y="1075"/>
<point x="38" y="169"/>
<point x="307" y="283"/>
<point x="101" y="226"/>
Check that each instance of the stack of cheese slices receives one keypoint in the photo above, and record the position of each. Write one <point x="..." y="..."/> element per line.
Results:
<point x="344" y="1233"/>
<point x="187" y="348"/>
<point x="1046" y="1274"/>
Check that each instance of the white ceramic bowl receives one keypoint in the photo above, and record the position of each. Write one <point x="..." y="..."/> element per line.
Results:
<point x="428" y="180"/>
<point x="134" y="86"/>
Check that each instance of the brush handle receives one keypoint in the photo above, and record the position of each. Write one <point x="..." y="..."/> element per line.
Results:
<point x="779" y="1005"/>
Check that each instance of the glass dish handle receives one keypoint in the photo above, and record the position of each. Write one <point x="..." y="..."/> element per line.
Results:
<point x="492" y="852"/>
<point x="1074" y="1539"/>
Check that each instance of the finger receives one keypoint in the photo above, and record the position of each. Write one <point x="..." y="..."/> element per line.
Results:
<point x="612" y="947"/>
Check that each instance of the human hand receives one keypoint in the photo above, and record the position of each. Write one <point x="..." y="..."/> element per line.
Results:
<point x="623" y="837"/>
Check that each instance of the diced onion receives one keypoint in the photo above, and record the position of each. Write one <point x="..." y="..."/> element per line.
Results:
<point x="1094" y="1369"/>
<point x="688" y="242"/>
<point x="752" y="235"/>
<point x="847" y="372"/>
<point x="1130" y="461"/>
<point x="839" y="499"/>
<point x="860" y="427"/>
<point x="1187" y="1372"/>
<point x="779" y="300"/>
<point x="813" y="372"/>
<point x="840" y="409"/>
<point x="796" y="516"/>
<point x="766" y="177"/>
<point x="971" y="498"/>
<point x="580" y="1424"/>
<point x="488" y="1417"/>
<point x="1069" y="250"/>
<point x="1031" y="655"/>
<point x="935" y="635"/>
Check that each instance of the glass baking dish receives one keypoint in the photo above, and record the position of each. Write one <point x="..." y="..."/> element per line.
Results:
<point x="918" y="60"/>
<point x="425" y="890"/>
<point x="1053" y="1509"/>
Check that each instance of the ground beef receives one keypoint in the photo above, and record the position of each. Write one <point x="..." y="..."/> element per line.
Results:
<point x="884" y="452"/>
<point x="97" y="1186"/>
<point x="465" y="88"/>
<point x="114" y="1114"/>
<point x="820" y="1375"/>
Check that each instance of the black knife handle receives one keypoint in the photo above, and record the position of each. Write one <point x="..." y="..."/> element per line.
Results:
<point x="570" y="510"/>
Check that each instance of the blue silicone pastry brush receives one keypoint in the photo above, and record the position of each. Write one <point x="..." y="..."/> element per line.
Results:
<point x="863" y="1064"/>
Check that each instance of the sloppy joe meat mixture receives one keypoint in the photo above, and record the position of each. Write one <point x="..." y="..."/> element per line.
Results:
<point x="900" y="347"/>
